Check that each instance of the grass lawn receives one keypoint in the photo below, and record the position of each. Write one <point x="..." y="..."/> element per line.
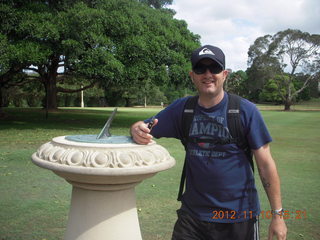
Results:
<point x="34" y="202"/>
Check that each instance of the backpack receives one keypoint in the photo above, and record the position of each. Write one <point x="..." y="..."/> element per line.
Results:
<point x="234" y="125"/>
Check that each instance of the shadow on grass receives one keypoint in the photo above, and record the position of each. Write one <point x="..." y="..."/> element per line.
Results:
<point x="65" y="119"/>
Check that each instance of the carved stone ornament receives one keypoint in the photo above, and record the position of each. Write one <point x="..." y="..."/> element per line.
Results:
<point x="102" y="166"/>
<point x="129" y="155"/>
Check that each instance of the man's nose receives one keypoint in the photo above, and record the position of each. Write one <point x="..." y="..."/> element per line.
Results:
<point x="207" y="72"/>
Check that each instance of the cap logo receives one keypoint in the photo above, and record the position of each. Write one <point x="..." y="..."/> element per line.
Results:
<point x="206" y="51"/>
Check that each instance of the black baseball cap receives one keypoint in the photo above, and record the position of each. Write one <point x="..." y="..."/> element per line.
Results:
<point x="210" y="52"/>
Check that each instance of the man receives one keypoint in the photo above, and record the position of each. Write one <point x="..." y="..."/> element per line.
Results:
<point x="220" y="201"/>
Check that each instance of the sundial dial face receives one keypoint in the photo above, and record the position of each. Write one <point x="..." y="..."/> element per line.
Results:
<point x="103" y="137"/>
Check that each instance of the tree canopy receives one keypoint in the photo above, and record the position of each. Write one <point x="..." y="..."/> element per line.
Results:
<point x="278" y="61"/>
<point x="120" y="45"/>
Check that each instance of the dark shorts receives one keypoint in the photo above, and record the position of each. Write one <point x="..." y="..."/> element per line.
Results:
<point x="190" y="228"/>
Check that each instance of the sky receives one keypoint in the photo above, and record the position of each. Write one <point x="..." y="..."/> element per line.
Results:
<point x="234" y="25"/>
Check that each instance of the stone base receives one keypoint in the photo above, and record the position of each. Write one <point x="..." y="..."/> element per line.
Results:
<point x="103" y="215"/>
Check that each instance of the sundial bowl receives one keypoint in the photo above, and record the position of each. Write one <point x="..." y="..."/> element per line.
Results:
<point x="110" y="163"/>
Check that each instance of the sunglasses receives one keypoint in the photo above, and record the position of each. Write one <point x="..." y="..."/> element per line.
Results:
<point x="202" y="68"/>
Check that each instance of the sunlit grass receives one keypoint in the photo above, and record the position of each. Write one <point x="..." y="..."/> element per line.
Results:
<point x="34" y="202"/>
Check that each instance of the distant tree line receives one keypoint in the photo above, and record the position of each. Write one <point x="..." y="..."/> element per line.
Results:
<point x="129" y="52"/>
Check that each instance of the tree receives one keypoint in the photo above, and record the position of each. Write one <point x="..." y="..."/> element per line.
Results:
<point x="261" y="66"/>
<point x="155" y="50"/>
<point x="108" y="42"/>
<point x="65" y="40"/>
<point x="296" y="51"/>
<point x="13" y="58"/>
<point x="237" y="83"/>
<point x="271" y="92"/>
<point x="281" y="58"/>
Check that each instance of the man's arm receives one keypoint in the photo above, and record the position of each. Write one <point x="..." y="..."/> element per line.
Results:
<point x="271" y="183"/>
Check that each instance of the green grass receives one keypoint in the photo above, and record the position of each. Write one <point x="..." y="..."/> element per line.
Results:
<point x="34" y="202"/>
<point x="311" y="105"/>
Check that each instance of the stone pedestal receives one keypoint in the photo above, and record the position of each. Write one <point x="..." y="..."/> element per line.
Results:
<point x="103" y="215"/>
<point x="103" y="204"/>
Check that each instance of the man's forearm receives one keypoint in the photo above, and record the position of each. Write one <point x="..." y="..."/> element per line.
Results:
<point x="269" y="176"/>
<point x="271" y="183"/>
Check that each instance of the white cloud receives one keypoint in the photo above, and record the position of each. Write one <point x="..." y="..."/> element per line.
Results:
<point x="233" y="25"/>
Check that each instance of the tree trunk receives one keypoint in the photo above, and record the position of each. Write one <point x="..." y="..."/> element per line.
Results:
<point x="128" y="102"/>
<point x="287" y="104"/>
<point x="1" y="100"/>
<point x="1" y="104"/>
<point x="50" y="84"/>
<point x="51" y="94"/>
<point x="288" y="97"/>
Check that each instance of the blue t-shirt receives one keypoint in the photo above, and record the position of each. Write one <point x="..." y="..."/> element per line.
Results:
<point x="219" y="179"/>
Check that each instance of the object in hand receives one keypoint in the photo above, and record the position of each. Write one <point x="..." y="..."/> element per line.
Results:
<point x="151" y="123"/>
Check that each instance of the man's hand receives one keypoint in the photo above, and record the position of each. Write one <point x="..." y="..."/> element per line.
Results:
<point x="277" y="228"/>
<point x="141" y="133"/>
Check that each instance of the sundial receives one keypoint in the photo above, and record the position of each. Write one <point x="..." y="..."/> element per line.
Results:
<point x="103" y="170"/>
<point x="104" y="137"/>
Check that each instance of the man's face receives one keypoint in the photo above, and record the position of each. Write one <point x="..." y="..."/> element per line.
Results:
<point x="208" y="83"/>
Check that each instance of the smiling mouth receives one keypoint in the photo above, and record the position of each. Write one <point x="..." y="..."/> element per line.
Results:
<point x="208" y="81"/>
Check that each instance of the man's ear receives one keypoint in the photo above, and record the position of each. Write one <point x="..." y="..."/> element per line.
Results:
<point x="191" y="76"/>
<point x="225" y="74"/>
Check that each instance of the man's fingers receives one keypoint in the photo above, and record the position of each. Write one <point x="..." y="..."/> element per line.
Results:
<point x="143" y="128"/>
<point x="141" y="140"/>
<point x="140" y="134"/>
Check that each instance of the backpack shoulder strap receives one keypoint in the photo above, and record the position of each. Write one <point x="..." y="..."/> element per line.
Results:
<point x="235" y="126"/>
<point x="187" y="118"/>
<point x="186" y="121"/>
<point x="233" y="114"/>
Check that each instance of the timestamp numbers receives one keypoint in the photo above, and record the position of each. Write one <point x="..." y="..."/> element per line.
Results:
<point x="232" y="214"/>
<point x="298" y="214"/>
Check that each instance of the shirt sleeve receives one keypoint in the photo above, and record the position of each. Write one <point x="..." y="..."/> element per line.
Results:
<point x="169" y="121"/>
<point x="255" y="128"/>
